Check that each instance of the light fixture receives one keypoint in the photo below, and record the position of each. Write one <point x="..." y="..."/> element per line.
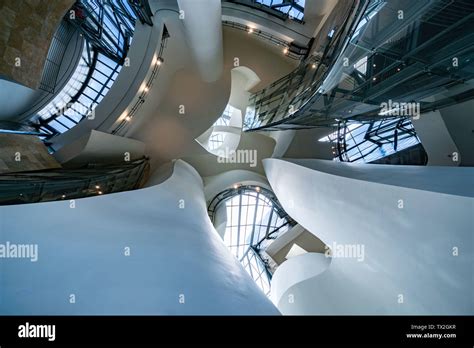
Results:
<point x="313" y="66"/>
<point x="285" y="50"/>
<point x="97" y="187"/>
<point x="128" y="118"/>
<point x="374" y="65"/>
<point x="236" y="186"/>
<point x="159" y="61"/>
<point x="99" y="192"/>
<point x="257" y="189"/>
<point x="374" y="79"/>
<point x="250" y="30"/>
<point x="146" y="89"/>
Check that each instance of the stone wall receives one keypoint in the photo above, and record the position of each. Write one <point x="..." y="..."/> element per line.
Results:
<point x="26" y="30"/>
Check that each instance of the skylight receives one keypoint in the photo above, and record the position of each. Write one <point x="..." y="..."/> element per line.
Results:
<point x="224" y="120"/>
<point x="371" y="141"/>
<point x="217" y="137"/>
<point x="293" y="8"/>
<point x="76" y="102"/>
<point x="107" y="28"/>
<point x="254" y="219"/>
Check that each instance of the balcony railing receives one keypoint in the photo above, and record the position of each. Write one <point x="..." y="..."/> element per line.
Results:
<point x="386" y="50"/>
<point x="67" y="184"/>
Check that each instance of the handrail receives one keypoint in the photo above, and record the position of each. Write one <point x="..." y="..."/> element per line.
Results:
<point x="309" y="74"/>
<point x="125" y="121"/>
<point x="292" y="49"/>
<point x="395" y="68"/>
<point x="60" y="184"/>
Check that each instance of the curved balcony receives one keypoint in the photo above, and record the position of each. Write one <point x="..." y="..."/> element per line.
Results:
<point x="66" y="184"/>
<point x="384" y="51"/>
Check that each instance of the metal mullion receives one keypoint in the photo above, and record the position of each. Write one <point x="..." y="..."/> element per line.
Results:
<point x="269" y="223"/>
<point x="85" y="95"/>
<point x="238" y="221"/>
<point x="79" y="102"/>
<point x="62" y="124"/>
<point x="257" y="203"/>
<point x="257" y="256"/>
<point x="98" y="92"/>
<point x="249" y="264"/>
<point x="70" y="119"/>
<point x="107" y="65"/>
<point x="108" y="77"/>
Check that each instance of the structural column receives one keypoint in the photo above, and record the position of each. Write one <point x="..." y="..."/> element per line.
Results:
<point x="203" y="25"/>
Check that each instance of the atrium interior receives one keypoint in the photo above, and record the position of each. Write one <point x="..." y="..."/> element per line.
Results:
<point x="236" y="157"/>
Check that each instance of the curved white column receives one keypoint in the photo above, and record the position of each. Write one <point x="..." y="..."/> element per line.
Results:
<point x="296" y="270"/>
<point x="203" y="25"/>
<point x="175" y="256"/>
<point x="414" y="224"/>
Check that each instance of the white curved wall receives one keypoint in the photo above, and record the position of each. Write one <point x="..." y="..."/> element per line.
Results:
<point x="14" y="98"/>
<point x="408" y="251"/>
<point x="204" y="37"/>
<point x="173" y="251"/>
<point x="100" y="147"/>
<point x="436" y="140"/>
<point x="460" y="124"/>
<point x="293" y="271"/>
